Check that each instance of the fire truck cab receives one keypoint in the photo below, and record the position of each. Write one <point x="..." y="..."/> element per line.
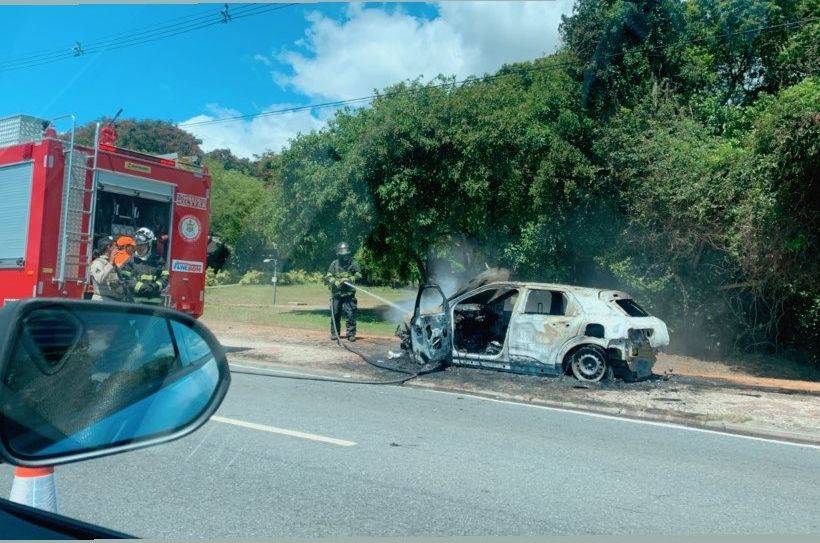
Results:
<point x="57" y="198"/>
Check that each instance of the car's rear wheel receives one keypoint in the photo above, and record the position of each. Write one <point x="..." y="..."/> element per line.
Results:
<point x="589" y="363"/>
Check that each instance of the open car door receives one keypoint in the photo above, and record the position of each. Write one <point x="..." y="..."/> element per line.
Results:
<point x="431" y="337"/>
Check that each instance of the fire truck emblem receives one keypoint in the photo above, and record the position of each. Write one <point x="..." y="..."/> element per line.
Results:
<point x="190" y="227"/>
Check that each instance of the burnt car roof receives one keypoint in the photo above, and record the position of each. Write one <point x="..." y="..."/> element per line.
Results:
<point x="588" y="291"/>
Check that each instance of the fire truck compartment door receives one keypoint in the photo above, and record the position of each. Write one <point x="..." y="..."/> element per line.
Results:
<point x="131" y="185"/>
<point x="15" y="201"/>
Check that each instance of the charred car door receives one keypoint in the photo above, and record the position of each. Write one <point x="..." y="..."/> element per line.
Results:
<point x="544" y="323"/>
<point x="430" y="329"/>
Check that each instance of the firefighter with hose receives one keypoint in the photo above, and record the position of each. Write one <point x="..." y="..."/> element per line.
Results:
<point x="342" y="274"/>
<point x="145" y="272"/>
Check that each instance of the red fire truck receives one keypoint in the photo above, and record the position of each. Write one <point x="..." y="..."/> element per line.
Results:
<point x="57" y="198"/>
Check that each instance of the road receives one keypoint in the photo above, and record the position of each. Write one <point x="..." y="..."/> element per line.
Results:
<point x="304" y="459"/>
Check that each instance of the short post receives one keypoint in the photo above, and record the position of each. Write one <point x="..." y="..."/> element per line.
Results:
<point x="274" y="278"/>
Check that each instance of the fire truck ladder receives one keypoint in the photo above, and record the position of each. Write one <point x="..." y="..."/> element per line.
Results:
<point x="74" y="214"/>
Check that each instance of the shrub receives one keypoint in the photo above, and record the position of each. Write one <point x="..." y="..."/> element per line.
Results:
<point x="224" y="277"/>
<point x="299" y="277"/>
<point x="254" y="277"/>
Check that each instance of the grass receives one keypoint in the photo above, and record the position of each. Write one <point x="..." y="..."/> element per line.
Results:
<point x="253" y="304"/>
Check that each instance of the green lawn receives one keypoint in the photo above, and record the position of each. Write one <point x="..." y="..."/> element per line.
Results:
<point x="254" y="304"/>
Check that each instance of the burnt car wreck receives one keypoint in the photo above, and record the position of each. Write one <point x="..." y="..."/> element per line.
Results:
<point x="536" y="328"/>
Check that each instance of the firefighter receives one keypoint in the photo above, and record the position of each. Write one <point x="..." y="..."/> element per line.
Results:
<point x="343" y="272"/>
<point x="218" y="253"/>
<point x="145" y="273"/>
<point x="105" y="278"/>
<point x="124" y="251"/>
<point x="161" y="245"/>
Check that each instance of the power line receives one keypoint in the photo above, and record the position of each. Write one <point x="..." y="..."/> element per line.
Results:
<point x="552" y="66"/>
<point x="50" y="52"/>
<point x="140" y="38"/>
<point x="146" y="36"/>
<point x="252" y="11"/>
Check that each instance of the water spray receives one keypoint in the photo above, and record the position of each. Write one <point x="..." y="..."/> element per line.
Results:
<point x="388" y="302"/>
<point x="377" y="363"/>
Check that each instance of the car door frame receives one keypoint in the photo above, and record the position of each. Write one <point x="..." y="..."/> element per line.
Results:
<point x="28" y="522"/>
<point x="436" y="326"/>
<point x="528" y="351"/>
<point x="498" y="361"/>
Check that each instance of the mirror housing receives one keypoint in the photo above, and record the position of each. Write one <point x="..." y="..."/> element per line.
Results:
<point x="84" y="379"/>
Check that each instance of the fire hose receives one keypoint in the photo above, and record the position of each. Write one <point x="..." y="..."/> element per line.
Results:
<point x="408" y="375"/>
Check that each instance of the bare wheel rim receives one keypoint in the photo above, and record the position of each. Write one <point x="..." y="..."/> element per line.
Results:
<point x="590" y="366"/>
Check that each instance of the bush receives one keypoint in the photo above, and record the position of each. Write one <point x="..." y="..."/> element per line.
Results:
<point x="255" y="277"/>
<point x="299" y="277"/>
<point x="224" y="277"/>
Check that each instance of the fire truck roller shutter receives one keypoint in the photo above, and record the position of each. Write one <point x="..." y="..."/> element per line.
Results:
<point x="15" y="203"/>
<point x="136" y="186"/>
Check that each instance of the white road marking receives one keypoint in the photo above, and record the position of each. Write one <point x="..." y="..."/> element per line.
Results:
<point x="628" y="419"/>
<point x="284" y="431"/>
<point x="592" y="414"/>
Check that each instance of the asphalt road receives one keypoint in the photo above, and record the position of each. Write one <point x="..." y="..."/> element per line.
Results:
<point x="304" y="459"/>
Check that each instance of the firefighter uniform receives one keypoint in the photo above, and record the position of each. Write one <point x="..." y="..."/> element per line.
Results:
<point x="145" y="274"/>
<point x="105" y="278"/>
<point x="146" y="279"/>
<point x="342" y="271"/>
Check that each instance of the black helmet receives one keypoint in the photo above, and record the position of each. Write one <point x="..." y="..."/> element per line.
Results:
<point x="103" y="243"/>
<point x="342" y="249"/>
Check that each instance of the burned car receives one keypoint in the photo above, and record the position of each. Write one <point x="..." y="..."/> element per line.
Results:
<point x="536" y="328"/>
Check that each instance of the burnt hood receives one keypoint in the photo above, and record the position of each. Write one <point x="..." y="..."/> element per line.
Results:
<point x="491" y="275"/>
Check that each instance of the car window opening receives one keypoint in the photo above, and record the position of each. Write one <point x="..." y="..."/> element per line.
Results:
<point x="631" y="308"/>
<point x="482" y="320"/>
<point x="546" y="302"/>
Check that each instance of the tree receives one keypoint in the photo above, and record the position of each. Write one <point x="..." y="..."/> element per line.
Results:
<point x="230" y="161"/>
<point x="241" y="212"/>
<point x="147" y="136"/>
<point x="624" y="49"/>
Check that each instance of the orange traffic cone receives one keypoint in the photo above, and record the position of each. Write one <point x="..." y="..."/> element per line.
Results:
<point x="35" y="487"/>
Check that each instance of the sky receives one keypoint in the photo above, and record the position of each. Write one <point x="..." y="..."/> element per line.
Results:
<point x="262" y="60"/>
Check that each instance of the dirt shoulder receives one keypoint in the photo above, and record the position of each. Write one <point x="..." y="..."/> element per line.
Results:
<point x="685" y="391"/>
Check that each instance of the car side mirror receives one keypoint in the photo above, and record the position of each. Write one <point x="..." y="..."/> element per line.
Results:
<point x="83" y="379"/>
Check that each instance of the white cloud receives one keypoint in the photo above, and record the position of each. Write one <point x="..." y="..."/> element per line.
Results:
<point x="375" y="47"/>
<point x="246" y="138"/>
<point x="258" y="57"/>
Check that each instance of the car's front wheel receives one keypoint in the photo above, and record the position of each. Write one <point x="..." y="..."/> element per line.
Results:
<point x="589" y="363"/>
